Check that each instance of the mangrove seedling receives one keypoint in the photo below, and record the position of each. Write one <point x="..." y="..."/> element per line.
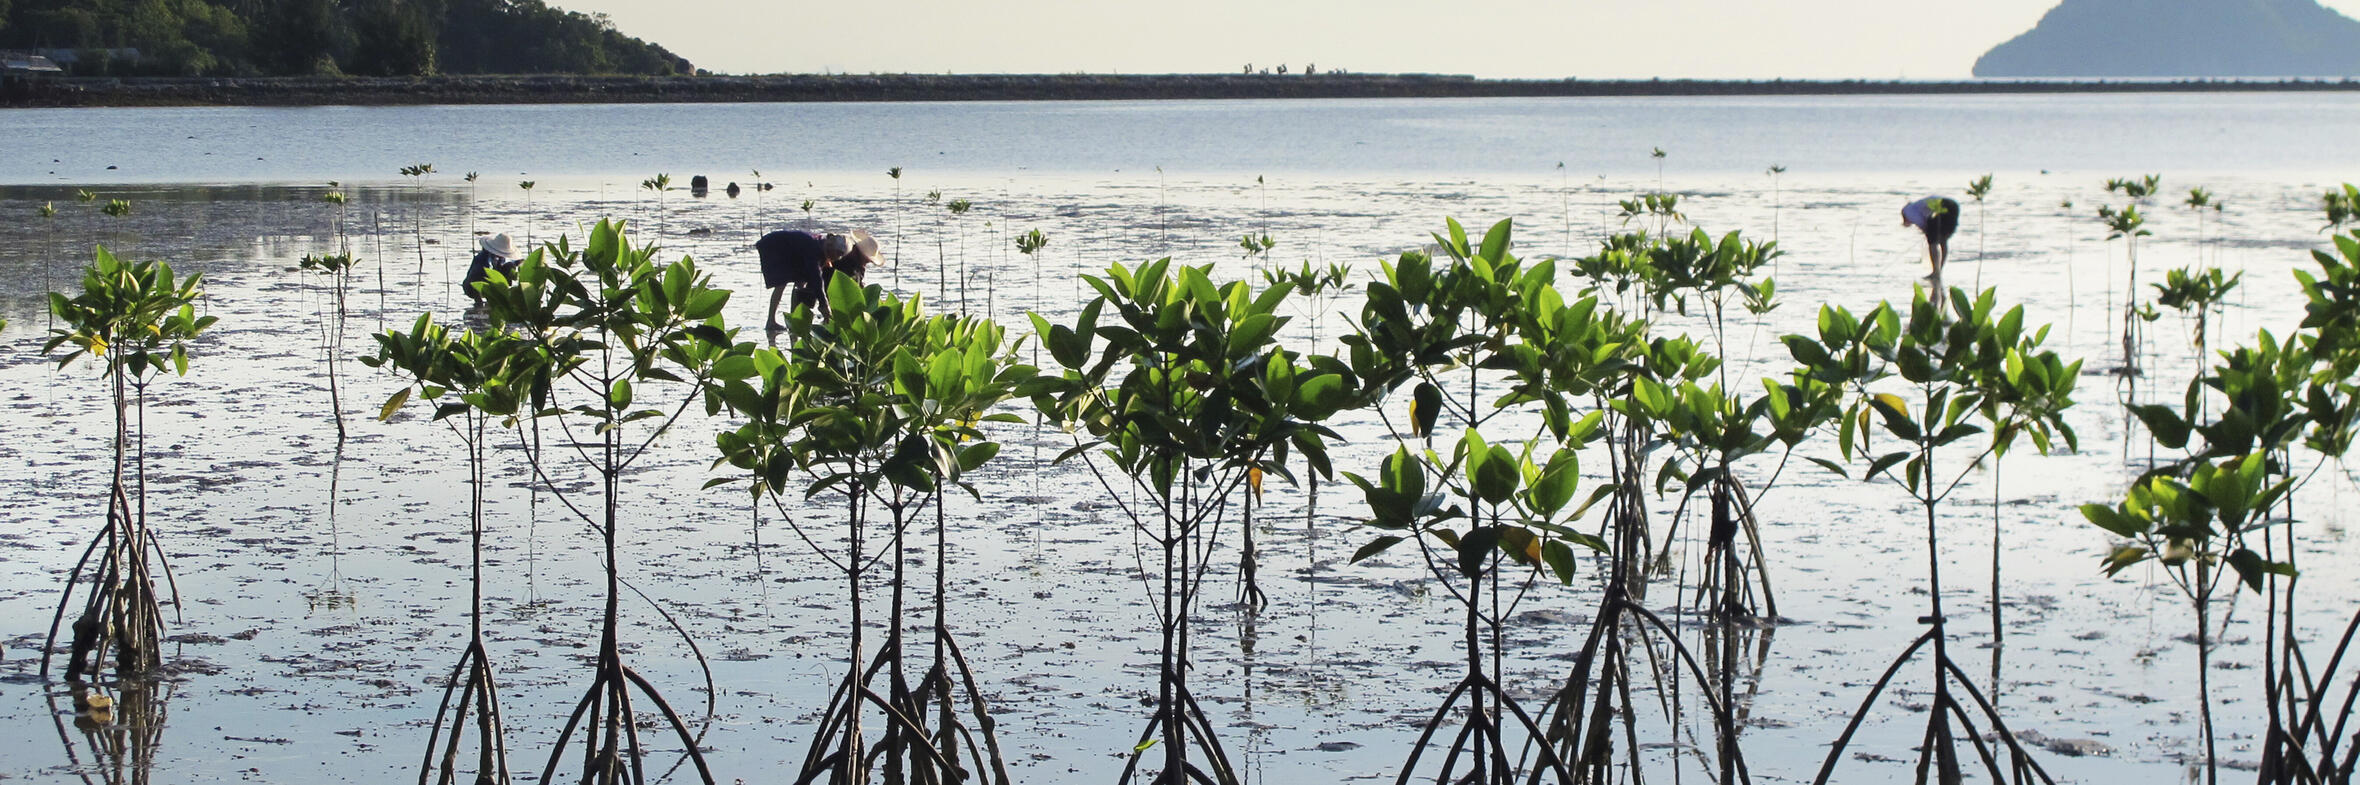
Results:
<point x="1959" y="363"/>
<point x="2128" y="225"/>
<point x="337" y="269"/>
<point x="659" y="184"/>
<point x="527" y="186"/>
<point x="417" y="174"/>
<point x="1188" y="397"/>
<point x="879" y="403"/>
<point x="137" y="319"/>
<point x="959" y="208"/>
<point x="471" y="379"/>
<point x="615" y="332"/>
<point x="1978" y="189"/>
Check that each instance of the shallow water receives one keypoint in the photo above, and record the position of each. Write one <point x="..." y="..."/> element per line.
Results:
<point x="325" y="590"/>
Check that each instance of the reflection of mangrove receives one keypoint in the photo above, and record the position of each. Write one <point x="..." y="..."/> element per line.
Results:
<point x="330" y="594"/>
<point x="121" y="729"/>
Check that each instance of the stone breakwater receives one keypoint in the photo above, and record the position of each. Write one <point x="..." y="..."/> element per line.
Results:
<point x="315" y="91"/>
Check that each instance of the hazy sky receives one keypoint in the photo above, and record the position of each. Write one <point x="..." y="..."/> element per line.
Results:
<point x="1821" y="39"/>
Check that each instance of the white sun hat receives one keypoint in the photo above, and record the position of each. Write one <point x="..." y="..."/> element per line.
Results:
<point x="500" y="245"/>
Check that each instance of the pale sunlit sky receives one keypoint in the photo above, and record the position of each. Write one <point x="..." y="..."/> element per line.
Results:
<point x="1739" y="39"/>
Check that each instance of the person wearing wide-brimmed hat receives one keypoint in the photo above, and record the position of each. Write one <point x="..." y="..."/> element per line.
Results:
<point x="496" y="252"/>
<point x="804" y="260"/>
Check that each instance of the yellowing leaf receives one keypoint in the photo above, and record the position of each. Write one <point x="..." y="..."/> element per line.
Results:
<point x="1895" y="402"/>
<point x="393" y="404"/>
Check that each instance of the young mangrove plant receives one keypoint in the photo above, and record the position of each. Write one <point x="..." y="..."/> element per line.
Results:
<point x="1483" y="511"/>
<point x="895" y="173"/>
<point x="2128" y="225"/>
<point x="48" y="213"/>
<point x="658" y="184"/>
<point x="471" y="379"/>
<point x="2216" y="511"/>
<point x="614" y="333"/>
<point x="880" y="404"/>
<point x="1978" y="189"/>
<point x="1190" y="399"/>
<point x="417" y="174"/>
<point x="1967" y="376"/>
<point x="959" y="208"/>
<point x="527" y="187"/>
<point x="2197" y="293"/>
<point x="137" y="319"/>
<point x="337" y="269"/>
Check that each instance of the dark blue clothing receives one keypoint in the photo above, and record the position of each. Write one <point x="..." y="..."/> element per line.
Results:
<point x="794" y="257"/>
<point x="485" y="261"/>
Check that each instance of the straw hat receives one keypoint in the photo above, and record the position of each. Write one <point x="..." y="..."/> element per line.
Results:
<point x="499" y="245"/>
<point x="867" y="244"/>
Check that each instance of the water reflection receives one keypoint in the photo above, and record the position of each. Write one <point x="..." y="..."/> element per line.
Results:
<point x="119" y="729"/>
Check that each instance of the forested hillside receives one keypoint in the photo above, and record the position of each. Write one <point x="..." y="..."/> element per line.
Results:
<point x="313" y="37"/>
<point x="2181" y="38"/>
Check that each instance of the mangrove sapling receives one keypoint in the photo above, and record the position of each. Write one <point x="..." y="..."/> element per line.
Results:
<point x="2196" y="294"/>
<point x="1951" y="360"/>
<point x="527" y="187"/>
<point x="879" y="403"/>
<point x="942" y="267"/>
<point x="417" y="174"/>
<point x="1776" y="198"/>
<point x="336" y="223"/>
<point x="612" y="331"/>
<point x="1187" y="396"/>
<point x="2128" y="225"/>
<point x="959" y="208"/>
<point x="117" y="209"/>
<point x="1978" y="189"/>
<point x="659" y="184"/>
<point x="337" y="268"/>
<point x="48" y="213"/>
<point x="1249" y="581"/>
<point x="138" y="319"/>
<point x="1717" y="428"/>
<point x="2269" y="395"/>
<point x="1416" y="322"/>
<point x="895" y="173"/>
<point x="807" y="205"/>
<point x="1486" y="309"/>
<point x="1515" y="513"/>
<point x="471" y="378"/>
<point x="2193" y="526"/>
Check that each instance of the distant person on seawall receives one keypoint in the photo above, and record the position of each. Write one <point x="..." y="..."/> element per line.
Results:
<point x="1937" y="217"/>
<point x="804" y="260"/>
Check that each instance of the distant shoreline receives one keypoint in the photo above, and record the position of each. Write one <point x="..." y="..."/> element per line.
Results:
<point x="321" y="91"/>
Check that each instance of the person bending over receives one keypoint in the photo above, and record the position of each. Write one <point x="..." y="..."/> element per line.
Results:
<point x="496" y="252"/>
<point x="1937" y="217"/>
<point x="804" y="260"/>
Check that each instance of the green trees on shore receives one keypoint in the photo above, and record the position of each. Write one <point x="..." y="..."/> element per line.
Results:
<point x="328" y="37"/>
